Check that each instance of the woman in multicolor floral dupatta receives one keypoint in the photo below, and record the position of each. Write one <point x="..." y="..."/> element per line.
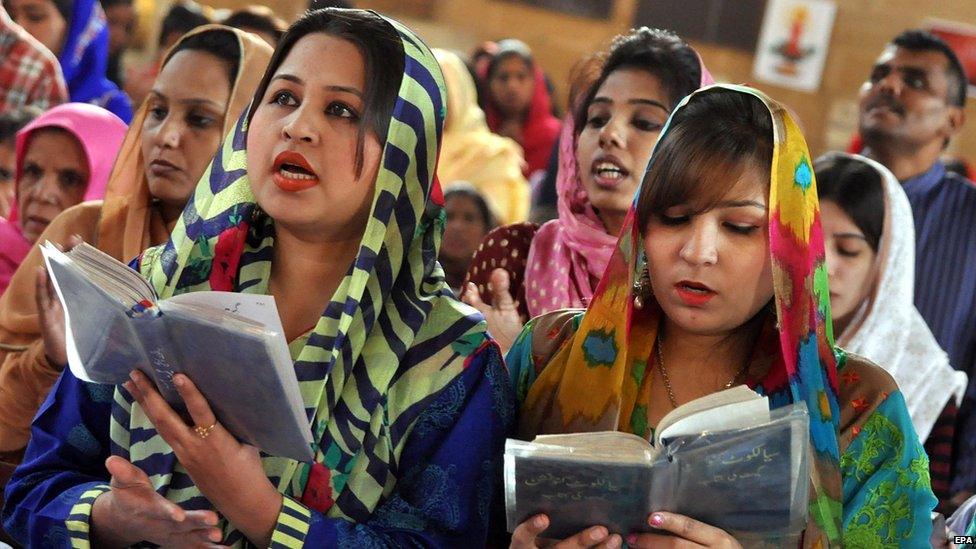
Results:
<point x="324" y="197"/>
<point x="718" y="279"/>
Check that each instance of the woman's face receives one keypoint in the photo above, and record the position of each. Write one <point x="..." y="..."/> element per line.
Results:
<point x="850" y="262"/>
<point x="711" y="272"/>
<point x="121" y="25"/>
<point x="54" y="177"/>
<point x="303" y="141"/>
<point x="623" y="122"/>
<point x="184" y="123"/>
<point x="41" y="19"/>
<point x="512" y="85"/>
<point x="465" y="229"/>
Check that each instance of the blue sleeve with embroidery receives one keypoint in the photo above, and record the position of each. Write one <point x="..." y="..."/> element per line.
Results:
<point x="64" y="459"/>
<point x="450" y="465"/>
<point x="887" y="494"/>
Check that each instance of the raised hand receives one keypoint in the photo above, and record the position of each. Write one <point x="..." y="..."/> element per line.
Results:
<point x="132" y="511"/>
<point x="504" y="321"/>
<point x="51" y="313"/>
<point x="51" y="316"/>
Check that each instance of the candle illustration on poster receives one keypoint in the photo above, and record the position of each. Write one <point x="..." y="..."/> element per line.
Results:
<point x="793" y="43"/>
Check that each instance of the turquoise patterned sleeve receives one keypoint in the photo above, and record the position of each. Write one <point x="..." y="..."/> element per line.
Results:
<point x="521" y="369"/>
<point x="887" y="494"/>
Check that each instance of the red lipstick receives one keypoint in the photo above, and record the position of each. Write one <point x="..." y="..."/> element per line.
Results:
<point x="292" y="173"/>
<point x="694" y="294"/>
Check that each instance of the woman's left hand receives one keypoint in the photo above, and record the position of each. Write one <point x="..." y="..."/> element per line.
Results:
<point x="227" y="472"/>
<point x="687" y="531"/>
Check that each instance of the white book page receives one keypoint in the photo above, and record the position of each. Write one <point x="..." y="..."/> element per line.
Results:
<point x="264" y="310"/>
<point x="737" y="415"/>
<point x="259" y="308"/>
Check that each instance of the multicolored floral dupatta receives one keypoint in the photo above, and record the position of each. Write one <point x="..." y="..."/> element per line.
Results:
<point x="392" y="337"/>
<point x="597" y="380"/>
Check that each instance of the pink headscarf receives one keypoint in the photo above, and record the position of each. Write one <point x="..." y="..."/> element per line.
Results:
<point x="574" y="248"/>
<point x="100" y="134"/>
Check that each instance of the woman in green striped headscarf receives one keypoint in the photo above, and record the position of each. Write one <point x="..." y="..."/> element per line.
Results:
<point x="324" y="196"/>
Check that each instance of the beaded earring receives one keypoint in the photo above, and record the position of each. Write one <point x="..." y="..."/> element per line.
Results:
<point x="642" y="284"/>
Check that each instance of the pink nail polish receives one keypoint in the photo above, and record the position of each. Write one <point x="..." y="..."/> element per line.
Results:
<point x="657" y="520"/>
<point x="632" y="539"/>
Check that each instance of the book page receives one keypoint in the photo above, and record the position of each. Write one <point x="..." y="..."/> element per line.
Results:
<point x="612" y="446"/>
<point x="727" y="417"/>
<point x="258" y="308"/>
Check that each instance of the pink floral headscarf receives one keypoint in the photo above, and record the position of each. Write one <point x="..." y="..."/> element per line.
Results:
<point x="575" y="248"/>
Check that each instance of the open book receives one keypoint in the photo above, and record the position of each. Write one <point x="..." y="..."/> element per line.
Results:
<point x="231" y="345"/>
<point x="725" y="459"/>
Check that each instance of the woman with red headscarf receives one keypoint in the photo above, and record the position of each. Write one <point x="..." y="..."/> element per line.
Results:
<point x="518" y="104"/>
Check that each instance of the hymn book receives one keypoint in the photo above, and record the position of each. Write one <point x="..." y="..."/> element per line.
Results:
<point x="725" y="459"/>
<point x="231" y="345"/>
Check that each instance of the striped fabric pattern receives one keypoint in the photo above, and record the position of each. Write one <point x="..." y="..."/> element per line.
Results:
<point x="391" y="338"/>
<point x="78" y="521"/>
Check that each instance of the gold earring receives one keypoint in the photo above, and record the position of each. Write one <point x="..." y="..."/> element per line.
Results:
<point x="642" y="287"/>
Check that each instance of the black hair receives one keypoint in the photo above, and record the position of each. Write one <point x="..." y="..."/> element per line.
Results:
<point x="858" y="191"/>
<point x="13" y="121"/>
<point x="106" y="4"/>
<point x="510" y="47"/>
<point x="466" y="190"/>
<point x="222" y="43"/>
<point x="659" y="52"/>
<point x="923" y="40"/>
<point x="183" y="17"/>
<point x="66" y="8"/>
<point x="322" y="4"/>
<point x="713" y="139"/>
<point x="259" y="18"/>
<point x="382" y="53"/>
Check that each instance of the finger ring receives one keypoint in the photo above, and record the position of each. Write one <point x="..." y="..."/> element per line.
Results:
<point x="204" y="432"/>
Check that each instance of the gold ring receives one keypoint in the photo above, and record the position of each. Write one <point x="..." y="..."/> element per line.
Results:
<point x="204" y="432"/>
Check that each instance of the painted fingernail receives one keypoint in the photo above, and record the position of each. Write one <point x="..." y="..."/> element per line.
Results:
<point x="632" y="539"/>
<point x="598" y="533"/>
<point x="657" y="520"/>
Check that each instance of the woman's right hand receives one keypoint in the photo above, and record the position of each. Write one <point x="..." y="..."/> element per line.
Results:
<point x="528" y="535"/>
<point x="502" y="316"/>
<point x="51" y="313"/>
<point x="132" y="511"/>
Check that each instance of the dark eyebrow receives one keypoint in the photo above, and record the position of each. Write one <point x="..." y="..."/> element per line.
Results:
<point x="638" y="101"/>
<point x="913" y="71"/>
<point x="191" y="101"/>
<point x="742" y="204"/>
<point x="299" y="81"/>
<point x="851" y="235"/>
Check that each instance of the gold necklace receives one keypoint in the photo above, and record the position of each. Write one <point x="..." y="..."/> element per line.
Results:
<point x="667" y="380"/>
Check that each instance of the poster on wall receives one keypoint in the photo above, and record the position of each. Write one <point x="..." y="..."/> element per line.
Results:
<point x="793" y="43"/>
<point x="962" y="39"/>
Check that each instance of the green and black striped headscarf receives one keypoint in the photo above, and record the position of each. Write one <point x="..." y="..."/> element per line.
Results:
<point x="392" y="337"/>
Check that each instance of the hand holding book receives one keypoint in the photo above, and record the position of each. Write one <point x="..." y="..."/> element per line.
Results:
<point x="51" y="314"/>
<point x="726" y="461"/>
